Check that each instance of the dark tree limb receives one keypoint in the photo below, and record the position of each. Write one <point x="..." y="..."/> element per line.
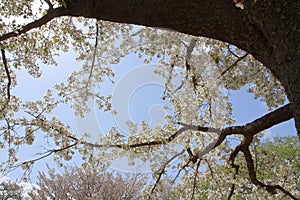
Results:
<point x="49" y="4"/>
<point x="44" y="155"/>
<point x="51" y="14"/>
<point x="162" y="170"/>
<point x="188" y="55"/>
<point x="93" y="59"/>
<point x="248" y="130"/>
<point x="252" y="174"/>
<point x="195" y="179"/>
<point x="7" y="72"/>
<point x="234" y="64"/>
<point x="235" y="167"/>
<point x="182" y="168"/>
<point x="244" y="147"/>
<point x="232" y="188"/>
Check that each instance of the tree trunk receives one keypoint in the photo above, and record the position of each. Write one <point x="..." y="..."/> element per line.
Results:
<point x="267" y="29"/>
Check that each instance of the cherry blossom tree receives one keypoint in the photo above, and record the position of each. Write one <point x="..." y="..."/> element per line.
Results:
<point x="256" y="45"/>
<point x="77" y="183"/>
<point x="10" y="190"/>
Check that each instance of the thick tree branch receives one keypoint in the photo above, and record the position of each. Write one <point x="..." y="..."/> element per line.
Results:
<point x="277" y="116"/>
<point x="280" y="115"/>
<point x="156" y="142"/>
<point x="51" y="14"/>
<point x="214" y="19"/>
<point x="249" y="132"/>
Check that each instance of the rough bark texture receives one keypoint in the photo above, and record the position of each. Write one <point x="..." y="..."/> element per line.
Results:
<point x="268" y="29"/>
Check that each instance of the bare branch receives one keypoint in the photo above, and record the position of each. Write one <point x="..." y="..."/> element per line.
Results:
<point x="49" y="4"/>
<point x="195" y="179"/>
<point x="51" y="14"/>
<point x="153" y="143"/>
<point x="228" y="48"/>
<point x="234" y="64"/>
<point x="199" y="128"/>
<point x="29" y="163"/>
<point x="46" y="154"/>
<point x="163" y="168"/>
<point x="94" y="56"/>
<point x="232" y="188"/>
<point x="182" y="168"/>
<point x="7" y="72"/>
<point x="189" y="51"/>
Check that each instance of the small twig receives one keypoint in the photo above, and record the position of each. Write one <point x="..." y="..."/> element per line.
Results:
<point x="234" y="64"/>
<point x="48" y="153"/>
<point x="49" y="4"/>
<point x="179" y="171"/>
<point x="7" y="73"/>
<point x="170" y="73"/>
<point x="195" y="179"/>
<point x="95" y="51"/>
<point x="162" y="170"/>
<point x="232" y="188"/>
<point x="8" y="130"/>
<point x="228" y="47"/>
<point x="179" y="87"/>
<point x="44" y="155"/>
<point x="157" y="181"/>
<point x="169" y="78"/>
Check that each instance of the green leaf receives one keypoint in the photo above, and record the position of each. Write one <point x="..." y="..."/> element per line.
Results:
<point x="217" y="60"/>
<point x="64" y="4"/>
